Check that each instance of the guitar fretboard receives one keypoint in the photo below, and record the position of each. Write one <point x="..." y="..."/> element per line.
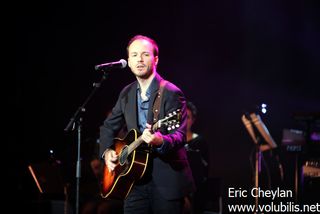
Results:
<point x="134" y="145"/>
<point x="138" y="141"/>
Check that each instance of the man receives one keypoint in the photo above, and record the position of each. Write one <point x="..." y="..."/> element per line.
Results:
<point x="168" y="178"/>
<point x="197" y="152"/>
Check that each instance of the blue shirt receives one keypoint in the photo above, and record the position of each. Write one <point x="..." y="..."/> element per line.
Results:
<point x="143" y="105"/>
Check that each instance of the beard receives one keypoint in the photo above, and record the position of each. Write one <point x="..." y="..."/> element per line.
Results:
<point x="144" y="73"/>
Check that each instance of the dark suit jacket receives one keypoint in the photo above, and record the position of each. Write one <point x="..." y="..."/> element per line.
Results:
<point x="170" y="169"/>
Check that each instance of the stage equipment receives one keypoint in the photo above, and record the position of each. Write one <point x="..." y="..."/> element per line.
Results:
<point x="261" y="138"/>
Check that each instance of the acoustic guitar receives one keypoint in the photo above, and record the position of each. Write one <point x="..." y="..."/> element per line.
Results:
<point x="132" y="159"/>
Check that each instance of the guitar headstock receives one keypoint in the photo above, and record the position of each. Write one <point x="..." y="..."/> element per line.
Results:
<point x="171" y="121"/>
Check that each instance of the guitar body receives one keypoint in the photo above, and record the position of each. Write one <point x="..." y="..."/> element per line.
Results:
<point x="132" y="160"/>
<point x="130" y="168"/>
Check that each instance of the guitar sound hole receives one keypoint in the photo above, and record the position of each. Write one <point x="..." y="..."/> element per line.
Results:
<point x="123" y="155"/>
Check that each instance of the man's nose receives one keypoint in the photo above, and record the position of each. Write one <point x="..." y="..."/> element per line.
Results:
<point x="140" y="58"/>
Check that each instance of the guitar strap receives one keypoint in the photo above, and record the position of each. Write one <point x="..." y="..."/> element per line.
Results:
<point x="157" y="102"/>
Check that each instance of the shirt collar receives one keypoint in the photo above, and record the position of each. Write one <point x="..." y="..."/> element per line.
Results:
<point x="152" y="87"/>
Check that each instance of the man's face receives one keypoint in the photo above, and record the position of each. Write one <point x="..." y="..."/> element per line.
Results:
<point x="141" y="59"/>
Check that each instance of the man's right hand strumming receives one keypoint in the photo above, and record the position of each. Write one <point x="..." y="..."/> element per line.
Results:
<point x="110" y="159"/>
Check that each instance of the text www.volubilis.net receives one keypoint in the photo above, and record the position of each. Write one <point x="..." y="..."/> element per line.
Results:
<point x="282" y="207"/>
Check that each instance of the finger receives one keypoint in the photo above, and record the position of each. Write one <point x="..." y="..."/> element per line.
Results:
<point x="113" y="154"/>
<point x="145" y="138"/>
<point x="110" y="169"/>
<point x="146" y="132"/>
<point x="111" y="166"/>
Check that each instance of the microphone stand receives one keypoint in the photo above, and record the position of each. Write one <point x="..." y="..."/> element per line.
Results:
<point x="76" y="121"/>
<point x="257" y="170"/>
<point x="257" y="142"/>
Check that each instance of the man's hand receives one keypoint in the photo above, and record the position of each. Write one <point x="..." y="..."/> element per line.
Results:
<point x="153" y="138"/>
<point x="111" y="159"/>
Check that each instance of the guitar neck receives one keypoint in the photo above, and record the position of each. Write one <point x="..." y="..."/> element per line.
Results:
<point x="138" y="141"/>
<point x="134" y="145"/>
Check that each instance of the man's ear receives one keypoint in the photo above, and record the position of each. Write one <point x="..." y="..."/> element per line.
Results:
<point x="129" y="64"/>
<point x="156" y="60"/>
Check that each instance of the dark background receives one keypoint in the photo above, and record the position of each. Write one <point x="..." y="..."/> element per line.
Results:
<point x="227" y="56"/>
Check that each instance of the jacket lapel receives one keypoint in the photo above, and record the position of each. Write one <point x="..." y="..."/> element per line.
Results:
<point x="132" y="107"/>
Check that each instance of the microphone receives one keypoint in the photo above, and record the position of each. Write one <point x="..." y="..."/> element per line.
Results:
<point x="119" y="64"/>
